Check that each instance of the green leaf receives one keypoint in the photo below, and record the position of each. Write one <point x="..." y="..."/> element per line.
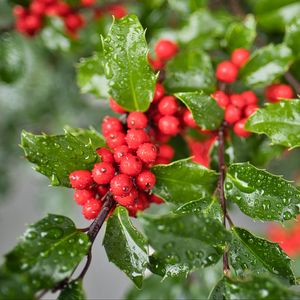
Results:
<point x="73" y="291"/>
<point x="183" y="181"/>
<point x="205" y="110"/>
<point x="241" y="34"/>
<point x="91" y="77"/>
<point x="125" y="246"/>
<point x="257" y="287"/>
<point x="56" y="156"/>
<point x="292" y="36"/>
<point x="183" y="242"/>
<point x="49" y="251"/>
<point x="217" y="292"/>
<point x="280" y="121"/>
<point x="248" y="252"/>
<point x="266" y="65"/>
<point x="131" y="80"/>
<point x="190" y="70"/>
<point x="260" y="194"/>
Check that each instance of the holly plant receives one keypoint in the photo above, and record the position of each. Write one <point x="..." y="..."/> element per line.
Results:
<point x="196" y="116"/>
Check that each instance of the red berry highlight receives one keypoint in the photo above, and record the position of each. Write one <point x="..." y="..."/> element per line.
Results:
<point x="81" y="179"/>
<point x="226" y="72"/>
<point x="103" y="172"/>
<point x="239" y="57"/>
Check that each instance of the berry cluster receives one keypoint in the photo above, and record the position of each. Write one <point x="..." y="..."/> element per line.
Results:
<point x="29" y="21"/>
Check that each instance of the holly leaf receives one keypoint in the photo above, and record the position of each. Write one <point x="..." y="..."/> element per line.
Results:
<point x="56" y="156"/>
<point x="190" y="70"/>
<point x="248" y="252"/>
<point x="183" y="181"/>
<point x="241" y="34"/>
<point x="217" y="292"/>
<point x="73" y="291"/>
<point x="183" y="242"/>
<point x="266" y="65"/>
<point x="292" y="36"/>
<point x="205" y="110"/>
<point x="91" y="77"/>
<point x="260" y="194"/>
<point x="125" y="246"/>
<point x="48" y="251"/>
<point x="279" y="121"/>
<point x="130" y="78"/>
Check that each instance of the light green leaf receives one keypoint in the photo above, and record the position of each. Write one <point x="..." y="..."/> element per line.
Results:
<point x="292" y="36"/>
<point x="131" y="80"/>
<point x="260" y="194"/>
<point x="205" y="110"/>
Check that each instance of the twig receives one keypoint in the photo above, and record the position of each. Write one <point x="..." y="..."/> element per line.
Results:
<point x="87" y="265"/>
<point x="292" y="81"/>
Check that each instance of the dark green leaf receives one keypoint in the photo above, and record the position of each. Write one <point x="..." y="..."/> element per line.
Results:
<point x="217" y="292"/>
<point x="205" y="110"/>
<point x="258" y="287"/>
<point x="266" y="65"/>
<point x="183" y="181"/>
<point x="91" y="77"/>
<point x="125" y="246"/>
<point x="56" y="156"/>
<point x="183" y="242"/>
<point x="251" y="253"/>
<point x="191" y="70"/>
<point x="131" y="80"/>
<point x="264" y="6"/>
<point x="280" y="121"/>
<point x="180" y="146"/>
<point x="292" y="36"/>
<point x="260" y="194"/>
<point x="49" y="251"/>
<point x="73" y="291"/>
<point x="241" y="34"/>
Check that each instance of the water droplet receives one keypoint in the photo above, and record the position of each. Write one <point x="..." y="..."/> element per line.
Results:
<point x="228" y="186"/>
<point x="54" y="233"/>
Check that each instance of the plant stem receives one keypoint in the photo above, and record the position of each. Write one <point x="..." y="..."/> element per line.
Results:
<point x="292" y="81"/>
<point x="221" y="186"/>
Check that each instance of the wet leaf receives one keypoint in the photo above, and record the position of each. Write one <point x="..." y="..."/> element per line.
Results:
<point x="280" y="121"/>
<point x="205" y="110"/>
<point x="91" y="77"/>
<point x="260" y="194"/>
<point x="131" y="80"/>
<point x="56" y="156"/>
<point x="125" y="246"/>
<point x="183" y="242"/>
<point x="190" y="70"/>
<point x="49" y="251"/>
<point x="183" y="181"/>
<point x="266" y="65"/>
<point x="73" y="291"/>
<point x="292" y="36"/>
<point x="248" y="252"/>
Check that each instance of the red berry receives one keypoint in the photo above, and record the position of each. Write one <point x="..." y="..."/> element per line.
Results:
<point x="121" y="184"/>
<point x="62" y="9"/>
<point x="275" y="92"/>
<point x="165" y="49"/>
<point x="169" y="125"/>
<point x="250" y="109"/>
<point x="19" y="11"/>
<point x="221" y="98"/>
<point x="116" y="107"/>
<point x="239" y="57"/>
<point x="81" y="179"/>
<point x="102" y="190"/>
<point x="249" y="97"/>
<point x="115" y="139"/>
<point x="161" y="137"/>
<point x="37" y="8"/>
<point x="188" y="119"/>
<point x="120" y="152"/>
<point x="33" y="23"/>
<point x="156" y="199"/>
<point x="103" y="172"/>
<point x="166" y="151"/>
<point x="137" y="120"/>
<point x="91" y="209"/>
<point x="82" y="196"/>
<point x="226" y="71"/>
<point x="232" y="114"/>
<point x="117" y="10"/>
<point x="73" y="21"/>
<point x="87" y="2"/>
<point x="129" y="199"/>
<point x="146" y="180"/>
<point x="136" y="137"/>
<point x="168" y="105"/>
<point x="239" y="128"/>
<point x="162" y="161"/>
<point x="131" y="165"/>
<point x="111" y="125"/>
<point x="158" y="92"/>
<point x="105" y="154"/>
<point x="237" y="100"/>
<point x="147" y="152"/>
<point x="156" y="64"/>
